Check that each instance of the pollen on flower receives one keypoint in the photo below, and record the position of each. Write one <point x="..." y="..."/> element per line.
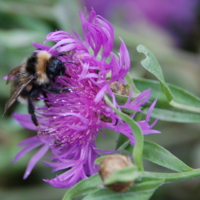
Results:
<point x="119" y="89"/>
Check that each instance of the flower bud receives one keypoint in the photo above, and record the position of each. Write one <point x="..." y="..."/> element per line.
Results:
<point x="111" y="164"/>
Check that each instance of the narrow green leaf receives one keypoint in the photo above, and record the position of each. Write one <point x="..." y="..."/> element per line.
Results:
<point x="151" y="64"/>
<point x="174" y="115"/>
<point x="124" y="145"/>
<point x="189" y="113"/>
<point x="147" y="185"/>
<point x="18" y="38"/>
<point x="171" y="177"/>
<point x="178" y="105"/>
<point x="184" y="97"/>
<point x="180" y="95"/>
<point x="130" y="81"/>
<point x="159" y="155"/>
<point x="141" y="191"/>
<point x="121" y="99"/>
<point x="138" y="149"/>
<point x="122" y="139"/>
<point x="156" y="91"/>
<point x="124" y="175"/>
<point x="100" y="159"/>
<point x="84" y="187"/>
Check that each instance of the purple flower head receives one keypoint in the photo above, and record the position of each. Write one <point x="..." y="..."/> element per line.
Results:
<point x="178" y="17"/>
<point x="70" y="121"/>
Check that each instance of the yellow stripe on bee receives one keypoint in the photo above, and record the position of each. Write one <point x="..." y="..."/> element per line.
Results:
<point x="42" y="61"/>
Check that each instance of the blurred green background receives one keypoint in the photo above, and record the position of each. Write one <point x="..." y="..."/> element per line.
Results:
<point x="174" y="43"/>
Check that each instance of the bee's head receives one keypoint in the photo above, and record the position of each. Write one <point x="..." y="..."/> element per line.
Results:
<point x="55" y="68"/>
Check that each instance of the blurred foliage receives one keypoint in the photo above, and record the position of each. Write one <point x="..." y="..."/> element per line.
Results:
<point x="25" y="21"/>
<point x="21" y="23"/>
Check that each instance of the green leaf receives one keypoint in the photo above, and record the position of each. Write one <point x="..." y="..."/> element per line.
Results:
<point x="124" y="175"/>
<point x="151" y="64"/>
<point x="37" y="9"/>
<point x="138" y="149"/>
<point x="141" y="191"/>
<point x="171" y="177"/>
<point x="84" y="187"/>
<point x="159" y="155"/>
<point x="121" y="99"/>
<point x="122" y="142"/>
<point x="18" y="38"/>
<point x="100" y="159"/>
<point x="129" y="81"/>
<point x="180" y="95"/>
<point x="178" y="105"/>
<point x="184" y="97"/>
<point x="124" y="145"/>
<point x="174" y="115"/>
<point x="163" y="110"/>
<point x="156" y="91"/>
<point x="147" y="185"/>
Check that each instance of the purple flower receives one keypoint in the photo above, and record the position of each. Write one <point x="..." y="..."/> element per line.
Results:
<point x="159" y="12"/>
<point x="70" y="124"/>
<point x="176" y="16"/>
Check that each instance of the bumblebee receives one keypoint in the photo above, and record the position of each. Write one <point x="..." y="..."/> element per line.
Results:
<point x="34" y="77"/>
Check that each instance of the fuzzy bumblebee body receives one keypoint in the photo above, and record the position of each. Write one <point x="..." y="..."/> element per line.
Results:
<point x="35" y="77"/>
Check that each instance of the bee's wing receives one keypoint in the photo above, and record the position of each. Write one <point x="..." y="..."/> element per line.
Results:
<point x="12" y="75"/>
<point x="15" y="93"/>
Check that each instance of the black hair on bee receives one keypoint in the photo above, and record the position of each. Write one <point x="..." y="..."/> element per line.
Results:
<point x="33" y="78"/>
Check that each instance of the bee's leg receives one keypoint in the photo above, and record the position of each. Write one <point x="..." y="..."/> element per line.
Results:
<point x="31" y="108"/>
<point x="31" y="111"/>
<point x="66" y="80"/>
<point x="60" y="84"/>
<point x="45" y="96"/>
<point x="57" y="90"/>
